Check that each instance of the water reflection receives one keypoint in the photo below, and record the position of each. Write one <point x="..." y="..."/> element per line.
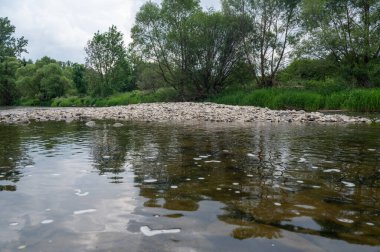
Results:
<point x="258" y="181"/>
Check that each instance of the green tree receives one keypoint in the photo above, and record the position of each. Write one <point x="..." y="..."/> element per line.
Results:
<point x="43" y="80"/>
<point x="348" y="30"/>
<point x="9" y="45"/>
<point x="195" y="51"/>
<point x="107" y="61"/>
<point x="274" y="32"/>
<point x="8" y="91"/>
<point x="79" y="80"/>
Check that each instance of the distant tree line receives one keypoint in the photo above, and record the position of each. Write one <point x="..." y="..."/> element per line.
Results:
<point x="198" y="53"/>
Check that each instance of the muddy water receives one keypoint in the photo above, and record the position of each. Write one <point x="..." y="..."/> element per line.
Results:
<point x="194" y="187"/>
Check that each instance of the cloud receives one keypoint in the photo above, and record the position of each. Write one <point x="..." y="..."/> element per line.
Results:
<point x="61" y="28"/>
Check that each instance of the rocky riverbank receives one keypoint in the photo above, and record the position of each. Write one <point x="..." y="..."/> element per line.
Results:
<point x="176" y="112"/>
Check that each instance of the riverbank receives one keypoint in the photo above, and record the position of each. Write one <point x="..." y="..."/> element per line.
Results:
<point x="175" y="112"/>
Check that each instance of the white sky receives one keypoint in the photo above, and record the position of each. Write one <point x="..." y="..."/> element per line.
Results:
<point x="60" y="29"/>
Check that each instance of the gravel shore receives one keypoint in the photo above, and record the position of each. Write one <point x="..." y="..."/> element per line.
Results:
<point x="176" y="112"/>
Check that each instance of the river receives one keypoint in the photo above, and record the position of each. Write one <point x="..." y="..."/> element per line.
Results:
<point x="189" y="187"/>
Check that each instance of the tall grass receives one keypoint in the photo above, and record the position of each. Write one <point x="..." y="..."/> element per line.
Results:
<point x="360" y="100"/>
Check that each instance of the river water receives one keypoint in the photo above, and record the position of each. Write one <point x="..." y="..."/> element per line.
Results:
<point x="189" y="187"/>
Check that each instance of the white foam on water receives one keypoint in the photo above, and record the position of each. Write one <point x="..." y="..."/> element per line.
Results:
<point x="21" y="247"/>
<point x="174" y="187"/>
<point x="147" y="231"/>
<point x="305" y="207"/>
<point x="213" y="161"/>
<point x="302" y="160"/>
<point x="277" y="204"/>
<point x="84" y="211"/>
<point x="251" y="155"/>
<point x="331" y="170"/>
<point x="13" y="224"/>
<point x="47" y="221"/>
<point x="345" y="220"/>
<point x="150" y="180"/>
<point x="348" y="184"/>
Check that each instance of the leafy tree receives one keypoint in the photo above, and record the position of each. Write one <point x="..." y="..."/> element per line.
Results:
<point x="79" y="78"/>
<point x="43" y="80"/>
<point x="107" y="61"/>
<point x="9" y="45"/>
<point x="349" y="30"/>
<point x="8" y="91"/>
<point x="274" y="32"/>
<point x="195" y="51"/>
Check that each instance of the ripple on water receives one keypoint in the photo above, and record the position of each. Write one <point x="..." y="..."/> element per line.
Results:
<point x="348" y="184"/>
<point x="344" y="220"/>
<point x="79" y="212"/>
<point x="150" y="180"/>
<point x="47" y="221"/>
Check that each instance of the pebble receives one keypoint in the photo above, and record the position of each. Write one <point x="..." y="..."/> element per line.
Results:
<point x="182" y="111"/>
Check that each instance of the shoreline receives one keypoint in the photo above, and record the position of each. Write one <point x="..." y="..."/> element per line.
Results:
<point x="175" y="112"/>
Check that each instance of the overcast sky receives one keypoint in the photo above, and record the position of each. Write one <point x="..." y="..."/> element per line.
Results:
<point x="60" y="29"/>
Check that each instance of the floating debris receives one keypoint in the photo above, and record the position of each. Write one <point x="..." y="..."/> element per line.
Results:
<point x="332" y="170"/>
<point x="84" y="211"/>
<point x="47" y="221"/>
<point x="147" y="231"/>
<point x="345" y="220"/>
<point x="348" y="184"/>
<point x="150" y="180"/>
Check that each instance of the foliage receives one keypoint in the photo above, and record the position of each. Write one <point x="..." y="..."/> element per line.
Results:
<point x="8" y="91"/>
<point x="106" y="58"/>
<point x="274" y="31"/>
<point x="346" y="29"/>
<point x="9" y="45"/>
<point x="195" y="51"/>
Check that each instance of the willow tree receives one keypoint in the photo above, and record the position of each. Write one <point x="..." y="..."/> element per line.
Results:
<point x="195" y="50"/>
<point x="274" y="34"/>
<point x="348" y="30"/>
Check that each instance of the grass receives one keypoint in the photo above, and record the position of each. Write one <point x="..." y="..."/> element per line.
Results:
<point x="134" y="97"/>
<point x="359" y="100"/>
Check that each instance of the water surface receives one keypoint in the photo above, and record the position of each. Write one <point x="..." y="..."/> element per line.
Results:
<point x="196" y="187"/>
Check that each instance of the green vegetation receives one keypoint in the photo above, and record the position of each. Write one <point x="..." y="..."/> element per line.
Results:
<point x="361" y="100"/>
<point x="288" y="54"/>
